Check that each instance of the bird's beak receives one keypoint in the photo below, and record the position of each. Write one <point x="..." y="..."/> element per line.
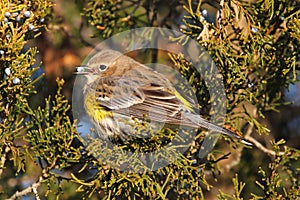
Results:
<point x="87" y="72"/>
<point x="83" y="70"/>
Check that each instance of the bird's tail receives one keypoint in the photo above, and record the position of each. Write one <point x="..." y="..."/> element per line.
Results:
<point x="198" y="121"/>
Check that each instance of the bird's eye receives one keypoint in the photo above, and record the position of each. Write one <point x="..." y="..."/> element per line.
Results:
<point x="102" y="67"/>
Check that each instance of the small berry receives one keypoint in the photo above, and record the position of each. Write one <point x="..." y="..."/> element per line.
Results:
<point x="31" y="27"/>
<point x="7" y="14"/>
<point x="204" y="13"/>
<point x="16" y="81"/>
<point x="2" y="52"/>
<point x="5" y="20"/>
<point x="281" y="18"/>
<point x="254" y="30"/>
<point x="7" y="71"/>
<point x="18" y="19"/>
<point x="42" y="20"/>
<point x="26" y="14"/>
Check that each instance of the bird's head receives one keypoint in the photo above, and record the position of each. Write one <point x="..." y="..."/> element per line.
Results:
<point x="102" y="64"/>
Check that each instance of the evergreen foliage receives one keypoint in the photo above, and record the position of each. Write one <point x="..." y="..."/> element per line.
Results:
<point x="255" y="45"/>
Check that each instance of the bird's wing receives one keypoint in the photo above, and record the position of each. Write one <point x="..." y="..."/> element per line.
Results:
<point x="140" y="98"/>
<point x="159" y="104"/>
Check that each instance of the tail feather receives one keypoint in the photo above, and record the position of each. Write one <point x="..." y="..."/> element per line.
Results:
<point x="198" y="121"/>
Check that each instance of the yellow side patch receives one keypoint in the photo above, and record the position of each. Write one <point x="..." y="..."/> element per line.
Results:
<point x="94" y="109"/>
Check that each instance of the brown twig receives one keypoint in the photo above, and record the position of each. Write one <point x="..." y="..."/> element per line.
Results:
<point x="33" y="188"/>
<point x="3" y="159"/>
<point x="261" y="147"/>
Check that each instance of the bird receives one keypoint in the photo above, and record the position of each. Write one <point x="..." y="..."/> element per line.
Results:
<point x="119" y="89"/>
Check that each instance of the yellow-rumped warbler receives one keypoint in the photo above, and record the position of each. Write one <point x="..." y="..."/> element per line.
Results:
<point x="119" y="88"/>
